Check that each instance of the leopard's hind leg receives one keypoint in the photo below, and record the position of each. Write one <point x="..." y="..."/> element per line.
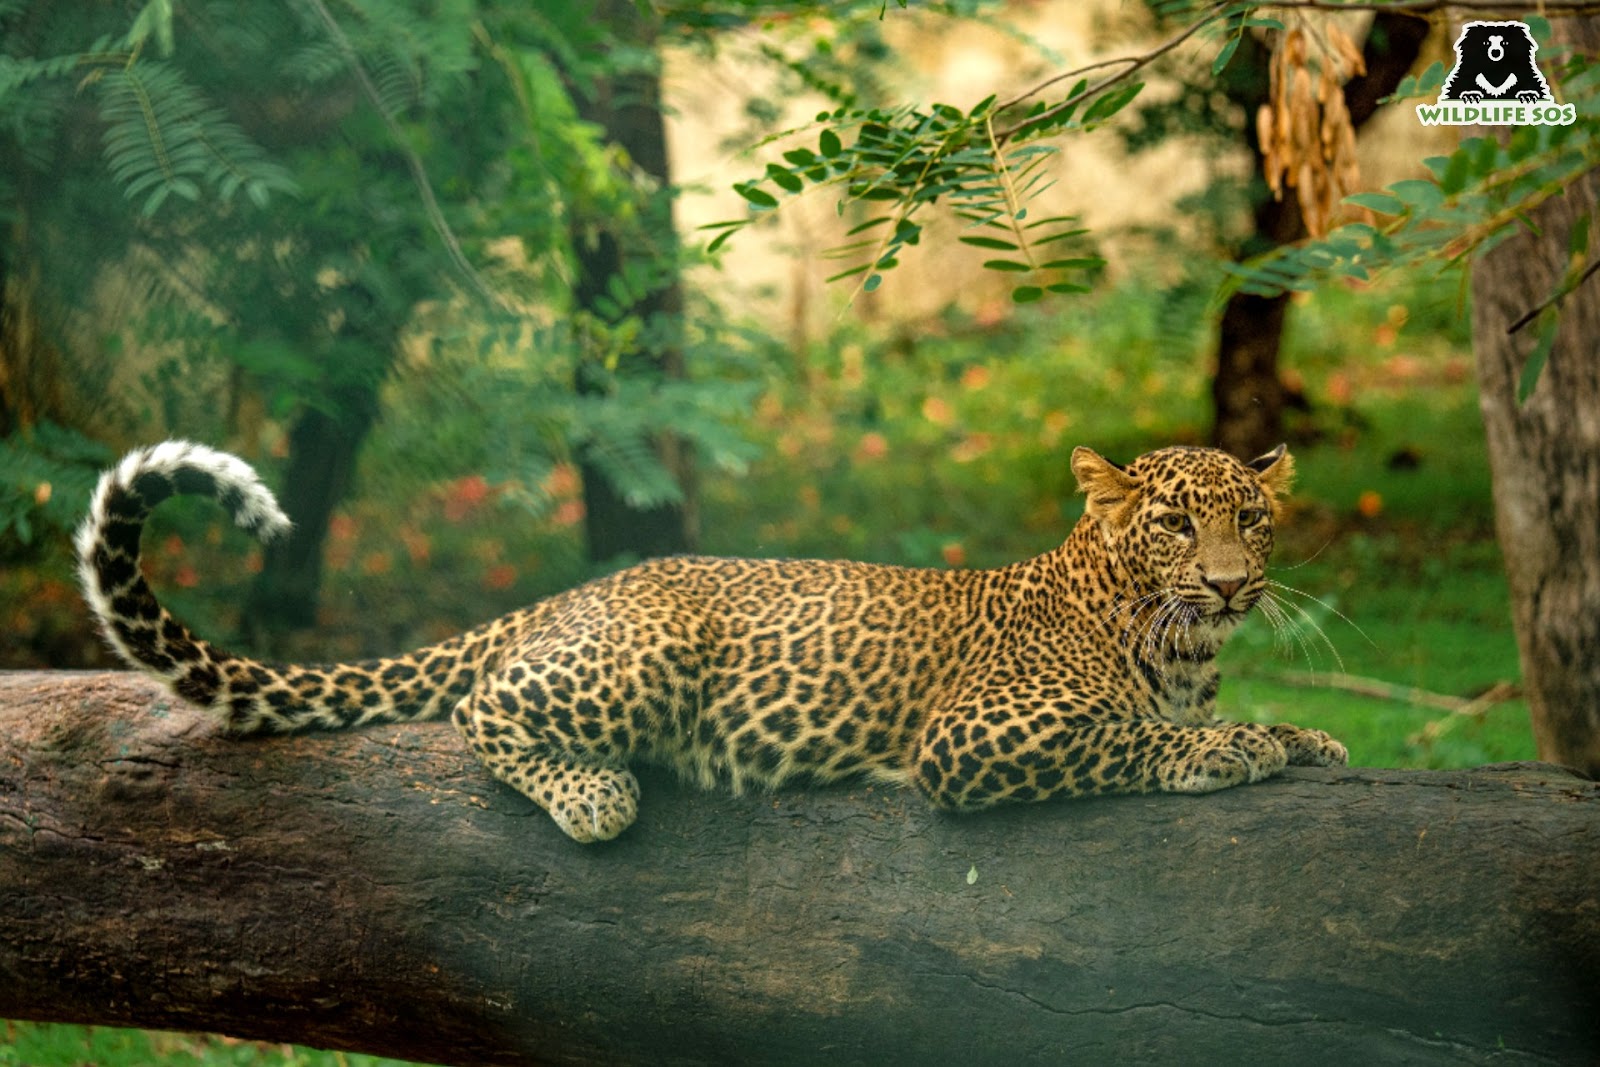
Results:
<point x="552" y="749"/>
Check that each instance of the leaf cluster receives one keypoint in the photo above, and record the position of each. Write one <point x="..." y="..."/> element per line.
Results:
<point x="894" y="164"/>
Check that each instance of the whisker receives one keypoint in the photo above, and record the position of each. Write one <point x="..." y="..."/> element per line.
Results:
<point x="1316" y="628"/>
<point x="1308" y="559"/>
<point x="1286" y="631"/>
<point x="1328" y="606"/>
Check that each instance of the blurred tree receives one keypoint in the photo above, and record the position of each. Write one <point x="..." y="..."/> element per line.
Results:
<point x="625" y="101"/>
<point x="1247" y="391"/>
<point x="1533" y="303"/>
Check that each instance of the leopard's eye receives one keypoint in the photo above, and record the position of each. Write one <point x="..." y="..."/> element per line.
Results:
<point x="1174" y="522"/>
<point x="1249" y="517"/>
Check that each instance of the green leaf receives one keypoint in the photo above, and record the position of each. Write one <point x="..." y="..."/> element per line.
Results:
<point x="1026" y="294"/>
<point x="720" y="239"/>
<point x="1381" y="202"/>
<point x="1228" y="48"/>
<point x="1549" y="320"/>
<point x="862" y="269"/>
<point x="872" y="282"/>
<point x="1578" y="239"/>
<point x="869" y="224"/>
<point x="1006" y="265"/>
<point x="1418" y="193"/>
<point x="830" y="144"/>
<point x="756" y="195"/>
<point x="1111" y="103"/>
<point x="988" y="242"/>
<point x="1080" y="262"/>
<point x="784" y="179"/>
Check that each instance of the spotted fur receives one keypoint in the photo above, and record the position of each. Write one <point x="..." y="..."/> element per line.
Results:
<point x="1089" y="669"/>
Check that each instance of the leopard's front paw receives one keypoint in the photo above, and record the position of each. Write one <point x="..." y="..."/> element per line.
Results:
<point x="1310" y="748"/>
<point x="1248" y="755"/>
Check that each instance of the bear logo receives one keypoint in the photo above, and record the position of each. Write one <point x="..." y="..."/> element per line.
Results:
<point x="1494" y="62"/>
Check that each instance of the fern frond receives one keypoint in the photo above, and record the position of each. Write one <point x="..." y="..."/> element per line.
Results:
<point x="163" y="137"/>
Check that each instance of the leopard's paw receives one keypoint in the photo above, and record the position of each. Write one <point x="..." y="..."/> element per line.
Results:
<point x="595" y="805"/>
<point x="1248" y="755"/>
<point x="1310" y="748"/>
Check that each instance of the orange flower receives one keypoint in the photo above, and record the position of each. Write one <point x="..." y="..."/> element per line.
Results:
<point x="873" y="446"/>
<point x="563" y="481"/>
<point x="500" y="576"/>
<point x="954" y="553"/>
<point x="464" y="496"/>
<point x="1369" y="504"/>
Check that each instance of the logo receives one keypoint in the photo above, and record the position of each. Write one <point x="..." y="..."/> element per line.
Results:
<point x="1495" y="82"/>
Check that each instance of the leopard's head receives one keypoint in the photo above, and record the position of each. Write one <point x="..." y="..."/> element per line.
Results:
<point x="1194" y="524"/>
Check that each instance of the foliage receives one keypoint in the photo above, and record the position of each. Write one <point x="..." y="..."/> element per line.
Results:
<point x="985" y="160"/>
<point x="276" y="280"/>
<point x="1472" y="198"/>
<point x="907" y="159"/>
<point x="46" y="474"/>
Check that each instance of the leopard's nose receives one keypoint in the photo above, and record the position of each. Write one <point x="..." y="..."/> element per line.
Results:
<point x="1225" y="587"/>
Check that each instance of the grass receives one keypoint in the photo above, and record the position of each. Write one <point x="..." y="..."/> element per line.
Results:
<point x="63" y="1045"/>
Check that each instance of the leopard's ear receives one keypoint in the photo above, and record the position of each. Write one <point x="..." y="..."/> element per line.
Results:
<point x="1111" y="489"/>
<point x="1275" y="471"/>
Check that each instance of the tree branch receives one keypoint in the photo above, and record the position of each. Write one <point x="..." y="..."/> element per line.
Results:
<point x="378" y="891"/>
<point x="1216" y="12"/>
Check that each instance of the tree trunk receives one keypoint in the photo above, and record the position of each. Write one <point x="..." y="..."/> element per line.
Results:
<point x="628" y="106"/>
<point x="1247" y="393"/>
<point x="323" y="448"/>
<point x="377" y="890"/>
<point x="1545" y="458"/>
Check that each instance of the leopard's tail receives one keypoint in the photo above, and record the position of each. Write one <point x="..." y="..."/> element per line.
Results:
<point x="250" y="696"/>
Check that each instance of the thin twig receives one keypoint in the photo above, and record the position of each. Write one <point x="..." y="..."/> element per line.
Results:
<point x="1498" y="693"/>
<point x="1135" y="63"/>
<point x="1554" y="299"/>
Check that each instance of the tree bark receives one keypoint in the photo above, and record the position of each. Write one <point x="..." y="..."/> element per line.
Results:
<point x="1247" y="393"/>
<point x="1545" y="458"/>
<point x="378" y="891"/>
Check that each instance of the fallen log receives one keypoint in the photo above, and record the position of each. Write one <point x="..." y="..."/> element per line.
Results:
<point x="378" y="891"/>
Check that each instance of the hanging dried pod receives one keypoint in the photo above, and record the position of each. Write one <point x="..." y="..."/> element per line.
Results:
<point x="1307" y="141"/>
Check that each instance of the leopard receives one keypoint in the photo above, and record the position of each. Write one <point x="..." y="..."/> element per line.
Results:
<point x="1087" y="670"/>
